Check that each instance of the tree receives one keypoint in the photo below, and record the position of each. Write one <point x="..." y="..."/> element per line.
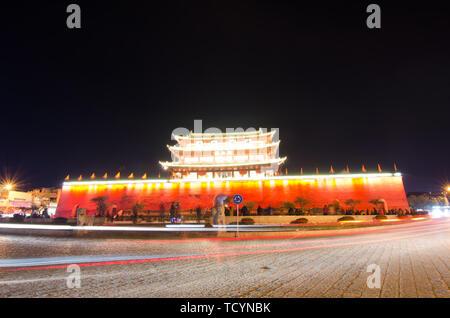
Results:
<point x="423" y="201"/>
<point x="244" y="211"/>
<point x="162" y="209"/>
<point x="137" y="208"/>
<point x="336" y="205"/>
<point x="288" y="205"/>
<point x="102" y="206"/>
<point x="125" y="201"/>
<point x="198" y="211"/>
<point x="375" y="202"/>
<point x="352" y="203"/>
<point x="301" y="202"/>
<point x="250" y="205"/>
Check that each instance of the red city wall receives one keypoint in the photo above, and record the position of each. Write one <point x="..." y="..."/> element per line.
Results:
<point x="192" y="194"/>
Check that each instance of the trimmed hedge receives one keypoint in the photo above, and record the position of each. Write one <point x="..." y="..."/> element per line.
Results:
<point x="18" y="218"/>
<point x="380" y="217"/>
<point x="59" y="220"/>
<point x="346" y="218"/>
<point x="244" y="221"/>
<point x="300" y="221"/>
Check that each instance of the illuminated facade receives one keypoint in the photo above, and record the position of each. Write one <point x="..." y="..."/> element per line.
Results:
<point x="205" y="165"/>
<point x="269" y="191"/>
<point x="224" y="155"/>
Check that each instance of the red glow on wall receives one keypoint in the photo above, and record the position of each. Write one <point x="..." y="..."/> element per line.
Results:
<point x="265" y="193"/>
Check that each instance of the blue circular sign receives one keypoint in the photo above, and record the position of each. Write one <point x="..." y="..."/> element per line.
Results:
<point x="238" y="199"/>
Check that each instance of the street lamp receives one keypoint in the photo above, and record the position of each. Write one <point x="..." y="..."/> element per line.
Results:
<point x="8" y="186"/>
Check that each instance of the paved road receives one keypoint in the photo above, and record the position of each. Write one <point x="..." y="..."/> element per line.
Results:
<point x="413" y="260"/>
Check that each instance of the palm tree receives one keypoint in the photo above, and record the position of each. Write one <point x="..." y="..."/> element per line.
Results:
<point x="102" y="206"/>
<point x="375" y="202"/>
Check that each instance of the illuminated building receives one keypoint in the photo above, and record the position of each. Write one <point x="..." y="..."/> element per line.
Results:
<point x="205" y="165"/>
<point x="224" y="155"/>
<point x="13" y="200"/>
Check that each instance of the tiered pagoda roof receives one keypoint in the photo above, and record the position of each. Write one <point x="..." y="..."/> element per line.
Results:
<point x="224" y="151"/>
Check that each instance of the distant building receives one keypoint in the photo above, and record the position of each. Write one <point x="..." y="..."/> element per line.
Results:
<point x="424" y="200"/>
<point x="11" y="201"/>
<point x="45" y="196"/>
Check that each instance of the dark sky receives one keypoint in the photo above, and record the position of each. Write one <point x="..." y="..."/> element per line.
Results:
<point x="107" y="97"/>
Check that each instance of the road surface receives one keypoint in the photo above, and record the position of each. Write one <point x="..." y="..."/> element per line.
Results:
<point x="413" y="261"/>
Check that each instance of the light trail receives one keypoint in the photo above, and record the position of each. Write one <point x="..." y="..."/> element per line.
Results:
<point x="415" y="230"/>
<point x="342" y="232"/>
<point x="215" y="255"/>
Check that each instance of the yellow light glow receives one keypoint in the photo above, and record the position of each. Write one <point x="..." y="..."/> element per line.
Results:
<point x="390" y="220"/>
<point x="303" y="178"/>
<point x="351" y="221"/>
<point x="8" y="187"/>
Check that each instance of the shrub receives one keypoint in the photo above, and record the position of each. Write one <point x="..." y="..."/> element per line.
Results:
<point x="249" y="221"/>
<point x="60" y="220"/>
<point x="18" y="218"/>
<point x="346" y="218"/>
<point x="244" y="211"/>
<point x="380" y="217"/>
<point x="245" y="221"/>
<point x="300" y="221"/>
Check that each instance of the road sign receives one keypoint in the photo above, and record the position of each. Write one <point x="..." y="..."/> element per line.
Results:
<point x="237" y="199"/>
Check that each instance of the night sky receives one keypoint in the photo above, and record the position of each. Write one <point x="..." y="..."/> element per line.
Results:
<point x="106" y="97"/>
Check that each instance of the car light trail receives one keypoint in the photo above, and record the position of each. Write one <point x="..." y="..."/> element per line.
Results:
<point x="203" y="256"/>
<point x="303" y="242"/>
<point x="397" y="229"/>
